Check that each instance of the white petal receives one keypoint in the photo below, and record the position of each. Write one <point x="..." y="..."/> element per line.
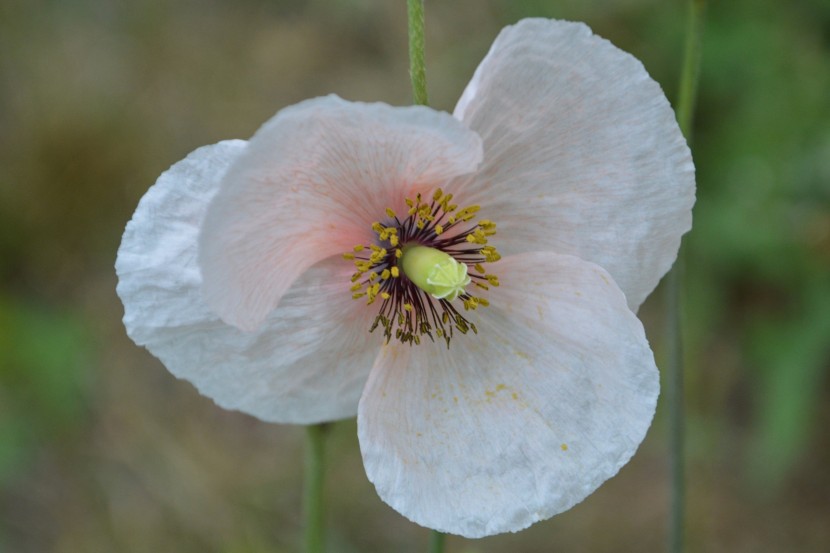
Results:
<point x="522" y="421"/>
<point x="307" y="363"/>
<point x="582" y="153"/>
<point x="311" y="183"/>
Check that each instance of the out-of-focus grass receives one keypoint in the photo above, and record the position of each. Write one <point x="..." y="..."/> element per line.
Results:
<point x="102" y="450"/>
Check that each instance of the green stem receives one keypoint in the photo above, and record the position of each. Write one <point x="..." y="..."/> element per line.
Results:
<point x="313" y="488"/>
<point x="436" y="542"/>
<point x="691" y="67"/>
<point x="418" y="75"/>
<point x="417" y="67"/>
<point x="674" y="397"/>
<point x="675" y="373"/>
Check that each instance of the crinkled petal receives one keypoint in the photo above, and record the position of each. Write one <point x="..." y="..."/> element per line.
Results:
<point x="522" y="421"/>
<point x="582" y="153"/>
<point x="307" y="363"/>
<point x="310" y="184"/>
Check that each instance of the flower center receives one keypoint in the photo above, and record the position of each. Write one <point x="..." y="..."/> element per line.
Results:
<point x="422" y="263"/>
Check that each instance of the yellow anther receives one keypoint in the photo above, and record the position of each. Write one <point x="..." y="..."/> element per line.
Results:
<point x="395" y="272"/>
<point x="445" y="203"/>
<point x="356" y="287"/>
<point x="358" y="248"/>
<point x="436" y="197"/>
<point x="390" y="213"/>
<point x="478" y="267"/>
<point x="377" y="227"/>
<point x="488" y="228"/>
<point x="492" y="279"/>
<point x="398" y="253"/>
<point x="482" y="285"/>
<point x="373" y="275"/>
<point x="483" y="302"/>
<point x="385" y="295"/>
<point x="439" y="229"/>
<point x="490" y="254"/>
<point x="477" y="237"/>
<point x="372" y="292"/>
<point x="393" y="240"/>
<point x="409" y="202"/>
<point x="407" y="306"/>
<point x="385" y="274"/>
<point x="468" y="212"/>
<point x="358" y="295"/>
<point x="348" y="256"/>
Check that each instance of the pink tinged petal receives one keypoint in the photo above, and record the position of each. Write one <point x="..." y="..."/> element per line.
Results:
<point x="524" y="420"/>
<point x="583" y="155"/>
<point x="307" y="363"/>
<point x="310" y="184"/>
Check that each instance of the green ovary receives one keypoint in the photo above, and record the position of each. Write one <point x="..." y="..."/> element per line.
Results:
<point x="434" y="272"/>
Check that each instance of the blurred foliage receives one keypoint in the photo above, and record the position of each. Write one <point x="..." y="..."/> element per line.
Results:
<point x="42" y="376"/>
<point x="102" y="450"/>
<point x="762" y="238"/>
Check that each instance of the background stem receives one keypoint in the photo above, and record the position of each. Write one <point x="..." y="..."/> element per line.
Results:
<point x="436" y="542"/>
<point x="675" y="372"/>
<point x="418" y="75"/>
<point x="691" y="67"/>
<point x="417" y="68"/>
<point x="313" y="488"/>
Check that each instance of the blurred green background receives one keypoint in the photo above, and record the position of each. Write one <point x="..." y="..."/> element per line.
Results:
<point x="102" y="450"/>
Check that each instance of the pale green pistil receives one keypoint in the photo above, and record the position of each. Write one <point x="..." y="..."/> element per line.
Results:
<point x="435" y="272"/>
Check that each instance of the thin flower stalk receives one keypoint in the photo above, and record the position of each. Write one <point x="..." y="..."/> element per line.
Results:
<point x="313" y="495"/>
<point x="689" y="75"/>
<point x="417" y="65"/>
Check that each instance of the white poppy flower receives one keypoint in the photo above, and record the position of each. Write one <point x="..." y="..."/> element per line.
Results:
<point x="481" y="408"/>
